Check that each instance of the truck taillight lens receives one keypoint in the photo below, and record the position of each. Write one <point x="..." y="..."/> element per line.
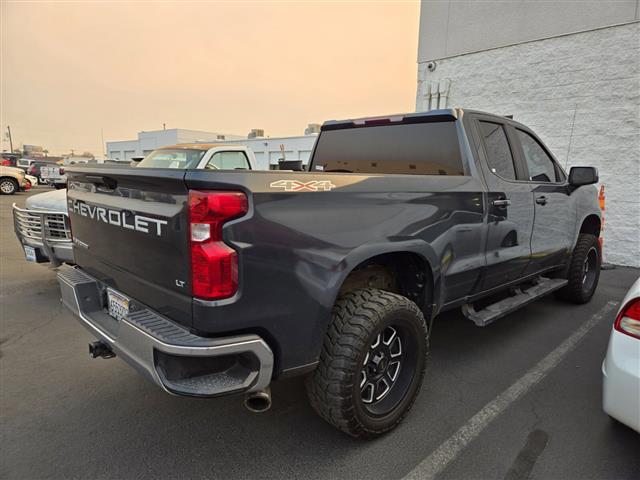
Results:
<point x="214" y="264"/>
<point x="61" y="170"/>
<point x="628" y="320"/>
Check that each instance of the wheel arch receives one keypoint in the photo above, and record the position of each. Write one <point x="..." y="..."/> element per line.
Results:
<point x="591" y="224"/>
<point x="373" y="254"/>
<point x="411" y="263"/>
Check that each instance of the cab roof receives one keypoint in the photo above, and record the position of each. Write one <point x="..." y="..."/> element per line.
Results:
<point x="445" y="115"/>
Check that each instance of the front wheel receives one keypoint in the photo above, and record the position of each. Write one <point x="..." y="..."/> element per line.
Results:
<point x="372" y="363"/>
<point x="584" y="270"/>
<point x="59" y="186"/>
<point x="8" y="186"/>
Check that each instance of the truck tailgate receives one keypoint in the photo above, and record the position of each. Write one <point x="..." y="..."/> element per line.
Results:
<point x="130" y="230"/>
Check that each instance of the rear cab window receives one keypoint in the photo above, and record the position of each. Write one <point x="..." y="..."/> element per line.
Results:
<point x="172" y="158"/>
<point x="414" y="149"/>
<point x="230" y="160"/>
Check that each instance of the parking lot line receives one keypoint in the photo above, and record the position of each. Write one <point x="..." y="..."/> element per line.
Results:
<point x="447" y="452"/>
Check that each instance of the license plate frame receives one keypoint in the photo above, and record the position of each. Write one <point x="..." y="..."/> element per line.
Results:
<point x="117" y="304"/>
<point x="30" y="253"/>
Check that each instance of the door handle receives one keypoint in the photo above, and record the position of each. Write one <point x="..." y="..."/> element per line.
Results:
<point x="501" y="202"/>
<point x="541" y="200"/>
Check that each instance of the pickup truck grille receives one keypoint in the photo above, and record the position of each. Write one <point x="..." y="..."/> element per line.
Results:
<point x="33" y="224"/>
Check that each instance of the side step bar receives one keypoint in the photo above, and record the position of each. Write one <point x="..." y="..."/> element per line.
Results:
<point x="542" y="287"/>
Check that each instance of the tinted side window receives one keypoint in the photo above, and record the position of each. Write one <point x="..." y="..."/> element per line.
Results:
<point x="541" y="167"/>
<point x="419" y="149"/>
<point x="228" y="161"/>
<point x="499" y="154"/>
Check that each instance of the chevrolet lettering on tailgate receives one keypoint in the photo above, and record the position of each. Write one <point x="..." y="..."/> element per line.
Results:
<point x="119" y="218"/>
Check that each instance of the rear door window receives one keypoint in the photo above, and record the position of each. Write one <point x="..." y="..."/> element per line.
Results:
<point x="418" y="149"/>
<point x="540" y="165"/>
<point x="499" y="156"/>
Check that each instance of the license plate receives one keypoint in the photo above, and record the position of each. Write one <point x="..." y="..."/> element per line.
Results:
<point x="118" y="304"/>
<point x="30" y="253"/>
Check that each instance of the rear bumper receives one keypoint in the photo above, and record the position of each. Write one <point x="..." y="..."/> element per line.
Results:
<point x="165" y="353"/>
<point x="621" y="379"/>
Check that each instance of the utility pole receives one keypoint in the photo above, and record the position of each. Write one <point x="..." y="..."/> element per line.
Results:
<point x="164" y="126"/>
<point x="10" y="140"/>
<point x="104" y="153"/>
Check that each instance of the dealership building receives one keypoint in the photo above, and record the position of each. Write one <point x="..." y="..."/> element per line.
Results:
<point x="568" y="70"/>
<point x="149" y="141"/>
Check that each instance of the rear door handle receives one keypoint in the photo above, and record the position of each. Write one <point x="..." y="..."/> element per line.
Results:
<point x="541" y="200"/>
<point x="501" y="202"/>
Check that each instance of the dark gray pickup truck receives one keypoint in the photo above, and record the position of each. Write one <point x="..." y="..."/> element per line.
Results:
<point x="213" y="282"/>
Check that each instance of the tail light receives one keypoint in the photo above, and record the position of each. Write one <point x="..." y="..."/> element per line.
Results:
<point x="61" y="170"/>
<point x="628" y="320"/>
<point x="214" y="264"/>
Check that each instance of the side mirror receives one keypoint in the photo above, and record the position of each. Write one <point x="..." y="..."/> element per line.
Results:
<point x="579" y="176"/>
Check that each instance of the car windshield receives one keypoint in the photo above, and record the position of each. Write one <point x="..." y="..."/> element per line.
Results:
<point x="172" y="158"/>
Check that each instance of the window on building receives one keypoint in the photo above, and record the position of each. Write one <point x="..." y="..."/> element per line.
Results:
<point x="417" y="149"/>
<point x="499" y="155"/>
<point x="228" y="161"/>
<point x="541" y="167"/>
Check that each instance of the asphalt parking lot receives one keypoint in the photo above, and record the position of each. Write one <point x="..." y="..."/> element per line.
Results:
<point x="65" y="415"/>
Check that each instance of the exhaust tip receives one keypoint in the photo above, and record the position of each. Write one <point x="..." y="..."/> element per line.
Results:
<point x="100" y="350"/>
<point x="258" y="402"/>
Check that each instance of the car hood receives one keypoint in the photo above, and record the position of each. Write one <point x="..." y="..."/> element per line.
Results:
<point x="10" y="170"/>
<point x="53" y="201"/>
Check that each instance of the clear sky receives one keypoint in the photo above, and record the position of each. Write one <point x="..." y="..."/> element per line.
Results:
<point x="72" y="69"/>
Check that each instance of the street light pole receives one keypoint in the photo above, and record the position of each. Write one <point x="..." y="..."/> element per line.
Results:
<point x="10" y="140"/>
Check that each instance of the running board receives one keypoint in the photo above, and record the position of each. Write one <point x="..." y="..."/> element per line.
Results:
<point x="521" y="298"/>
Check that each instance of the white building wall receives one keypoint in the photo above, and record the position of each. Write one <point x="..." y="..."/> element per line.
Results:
<point x="453" y="27"/>
<point x="149" y="141"/>
<point x="581" y="94"/>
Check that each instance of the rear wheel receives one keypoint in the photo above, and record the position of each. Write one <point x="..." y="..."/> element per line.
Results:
<point x="59" y="186"/>
<point x="372" y="363"/>
<point x="8" y="186"/>
<point x="584" y="270"/>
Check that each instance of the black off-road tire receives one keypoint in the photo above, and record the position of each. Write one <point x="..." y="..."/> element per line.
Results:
<point x="334" y="388"/>
<point x="8" y="186"/>
<point x="577" y="291"/>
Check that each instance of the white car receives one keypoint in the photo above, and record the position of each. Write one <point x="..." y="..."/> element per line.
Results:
<point x="621" y="366"/>
<point x="32" y="180"/>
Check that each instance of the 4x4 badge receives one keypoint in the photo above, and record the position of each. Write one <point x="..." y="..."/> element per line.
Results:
<point x="298" y="186"/>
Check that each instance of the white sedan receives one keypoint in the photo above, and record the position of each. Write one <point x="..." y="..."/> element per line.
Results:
<point x="621" y="366"/>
